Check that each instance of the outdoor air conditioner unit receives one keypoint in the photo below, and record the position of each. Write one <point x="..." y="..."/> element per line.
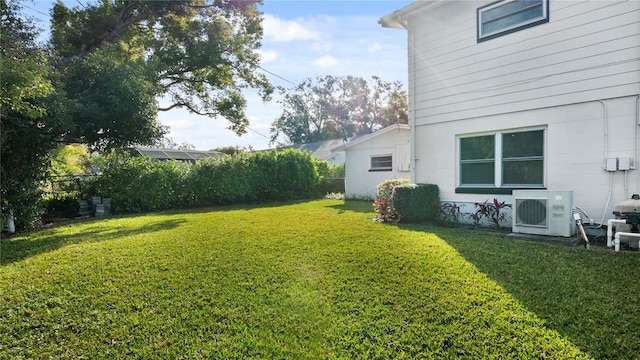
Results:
<point x="543" y="212"/>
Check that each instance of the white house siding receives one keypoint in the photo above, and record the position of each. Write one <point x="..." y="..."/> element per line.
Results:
<point x="588" y="51"/>
<point x="361" y="183"/>
<point x="574" y="151"/>
<point x="577" y="76"/>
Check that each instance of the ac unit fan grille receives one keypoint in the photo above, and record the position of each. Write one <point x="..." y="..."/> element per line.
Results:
<point x="532" y="212"/>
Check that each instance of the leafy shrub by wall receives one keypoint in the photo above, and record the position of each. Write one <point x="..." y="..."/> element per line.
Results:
<point x="383" y="206"/>
<point x="385" y="188"/>
<point x="417" y="203"/>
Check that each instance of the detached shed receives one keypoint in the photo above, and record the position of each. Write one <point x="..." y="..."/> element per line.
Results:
<point x="174" y="154"/>
<point x="370" y="159"/>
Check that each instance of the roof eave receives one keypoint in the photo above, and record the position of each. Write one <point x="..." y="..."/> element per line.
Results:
<point x="373" y="134"/>
<point x="398" y="18"/>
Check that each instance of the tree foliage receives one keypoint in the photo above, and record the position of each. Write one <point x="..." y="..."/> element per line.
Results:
<point x="68" y="160"/>
<point x="110" y="67"/>
<point x="331" y="107"/>
<point x="23" y="145"/>
<point x="197" y="54"/>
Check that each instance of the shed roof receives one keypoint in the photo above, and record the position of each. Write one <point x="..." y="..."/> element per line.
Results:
<point x="174" y="154"/>
<point x="320" y="149"/>
<point x="361" y="138"/>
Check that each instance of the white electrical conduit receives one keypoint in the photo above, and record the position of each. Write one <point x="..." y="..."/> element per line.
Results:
<point x="605" y="118"/>
<point x="616" y="240"/>
<point x="610" y="229"/>
<point x="626" y="184"/>
<point x="604" y="214"/>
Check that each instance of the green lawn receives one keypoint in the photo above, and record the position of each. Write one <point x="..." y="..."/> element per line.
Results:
<point x="315" y="280"/>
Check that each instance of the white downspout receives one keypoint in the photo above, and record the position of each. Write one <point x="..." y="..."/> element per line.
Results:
<point x="412" y="100"/>
<point x="635" y="136"/>
<point x="606" y="154"/>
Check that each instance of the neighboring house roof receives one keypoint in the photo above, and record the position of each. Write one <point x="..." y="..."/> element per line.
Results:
<point x="174" y="154"/>
<point x="320" y="149"/>
<point x="361" y="138"/>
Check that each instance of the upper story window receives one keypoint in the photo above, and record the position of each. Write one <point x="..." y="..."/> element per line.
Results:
<point x="381" y="163"/>
<point x="502" y="160"/>
<point x="507" y="16"/>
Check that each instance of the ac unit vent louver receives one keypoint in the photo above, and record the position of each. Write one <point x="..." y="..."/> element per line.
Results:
<point x="542" y="212"/>
<point x="531" y="212"/>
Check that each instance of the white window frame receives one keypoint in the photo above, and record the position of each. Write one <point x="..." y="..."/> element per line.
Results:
<point x="372" y="168"/>
<point x="498" y="160"/>
<point x="510" y="29"/>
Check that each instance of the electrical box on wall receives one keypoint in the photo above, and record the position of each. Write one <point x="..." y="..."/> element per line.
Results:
<point x="625" y="163"/>
<point x="620" y="163"/>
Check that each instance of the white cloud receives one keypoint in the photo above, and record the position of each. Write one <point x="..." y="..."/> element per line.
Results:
<point x="267" y="55"/>
<point x="325" y="61"/>
<point x="374" y="48"/>
<point x="279" y="30"/>
<point x="294" y="49"/>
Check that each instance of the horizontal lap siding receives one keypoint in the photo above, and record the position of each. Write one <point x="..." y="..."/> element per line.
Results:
<point x="588" y="50"/>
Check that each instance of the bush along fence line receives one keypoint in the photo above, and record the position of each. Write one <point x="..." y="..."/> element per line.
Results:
<point x="127" y="184"/>
<point x="140" y="184"/>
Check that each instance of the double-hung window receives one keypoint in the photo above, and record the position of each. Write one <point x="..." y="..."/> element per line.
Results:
<point x="504" y="160"/>
<point x="381" y="163"/>
<point x="507" y="16"/>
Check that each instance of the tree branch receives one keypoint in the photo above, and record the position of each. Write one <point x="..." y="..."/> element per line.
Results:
<point x="121" y="25"/>
<point x="188" y="107"/>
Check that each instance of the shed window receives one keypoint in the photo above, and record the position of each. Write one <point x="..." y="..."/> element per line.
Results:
<point x="381" y="163"/>
<point x="504" y="17"/>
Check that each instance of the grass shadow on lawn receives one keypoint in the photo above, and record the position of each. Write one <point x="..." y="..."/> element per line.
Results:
<point x="359" y="206"/>
<point x="588" y="296"/>
<point x="21" y="247"/>
<point x="31" y="243"/>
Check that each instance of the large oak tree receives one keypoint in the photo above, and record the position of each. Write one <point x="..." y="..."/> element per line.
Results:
<point x="108" y="69"/>
<point x="119" y="57"/>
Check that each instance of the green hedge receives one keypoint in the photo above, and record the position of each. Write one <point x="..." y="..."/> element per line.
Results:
<point x="385" y="188"/>
<point x="416" y="203"/>
<point x="143" y="184"/>
<point x="137" y="184"/>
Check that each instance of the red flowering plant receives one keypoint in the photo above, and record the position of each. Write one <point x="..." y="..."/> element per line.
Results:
<point x="449" y="213"/>
<point x="494" y="211"/>
<point x="384" y="210"/>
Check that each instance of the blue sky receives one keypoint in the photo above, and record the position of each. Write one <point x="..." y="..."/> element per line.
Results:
<point x="302" y="39"/>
